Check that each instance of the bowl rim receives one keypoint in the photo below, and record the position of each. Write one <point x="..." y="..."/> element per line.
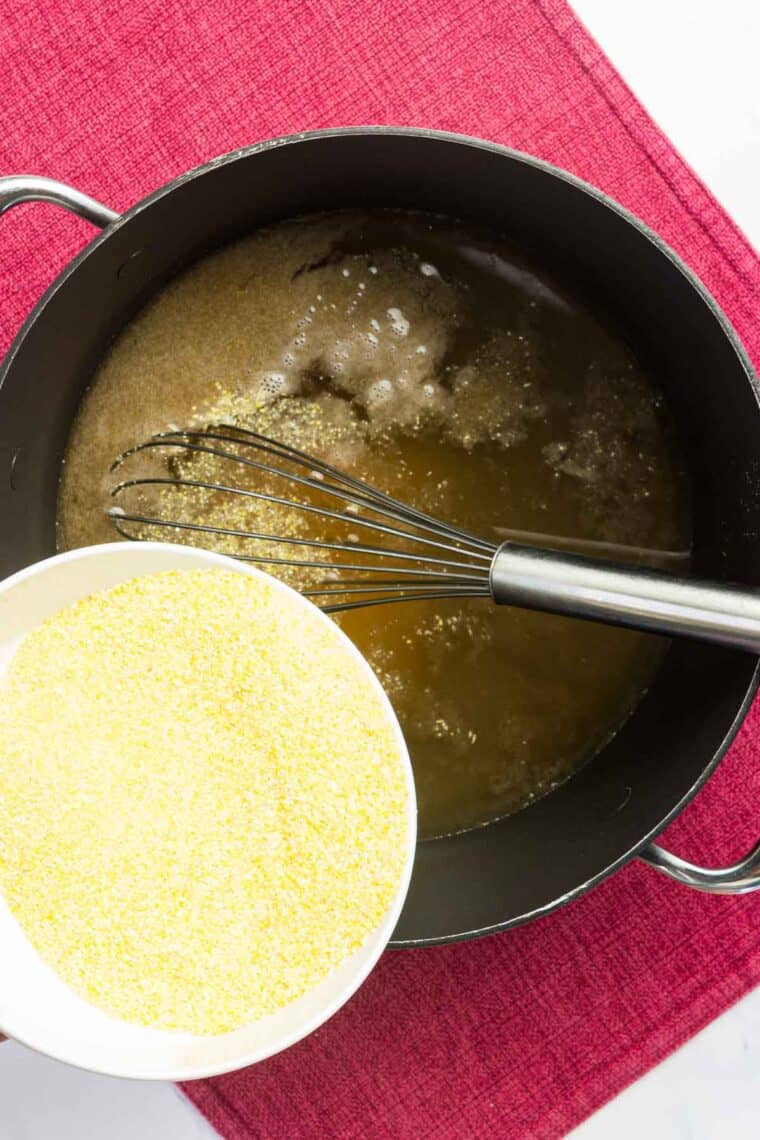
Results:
<point x="197" y="558"/>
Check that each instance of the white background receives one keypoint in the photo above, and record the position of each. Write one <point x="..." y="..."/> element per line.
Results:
<point x="694" y="64"/>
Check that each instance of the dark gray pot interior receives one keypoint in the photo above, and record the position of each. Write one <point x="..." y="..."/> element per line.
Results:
<point x="511" y="870"/>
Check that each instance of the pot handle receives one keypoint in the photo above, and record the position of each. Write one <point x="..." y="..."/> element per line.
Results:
<point x="18" y="188"/>
<point x="738" y="879"/>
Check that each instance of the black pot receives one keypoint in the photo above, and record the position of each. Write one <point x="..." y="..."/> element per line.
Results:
<point x="523" y="866"/>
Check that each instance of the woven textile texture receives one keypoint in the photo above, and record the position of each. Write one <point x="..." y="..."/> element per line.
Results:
<point x="520" y="1035"/>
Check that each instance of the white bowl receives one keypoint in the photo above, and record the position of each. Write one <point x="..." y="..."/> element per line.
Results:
<point x="36" y="1007"/>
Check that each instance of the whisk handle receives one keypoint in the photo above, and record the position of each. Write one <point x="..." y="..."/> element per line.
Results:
<point x="631" y="596"/>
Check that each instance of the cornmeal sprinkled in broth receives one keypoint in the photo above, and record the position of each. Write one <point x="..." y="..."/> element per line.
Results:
<point x="433" y="361"/>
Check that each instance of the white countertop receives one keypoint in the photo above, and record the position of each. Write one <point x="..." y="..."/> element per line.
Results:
<point x="693" y="63"/>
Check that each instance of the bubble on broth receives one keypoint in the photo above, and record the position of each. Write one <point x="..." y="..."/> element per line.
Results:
<point x="399" y="324"/>
<point x="272" y="385"/>
<point x="379" y="392"/>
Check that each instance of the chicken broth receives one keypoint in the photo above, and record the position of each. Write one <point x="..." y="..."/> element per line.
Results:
<point x="430" y="359"/>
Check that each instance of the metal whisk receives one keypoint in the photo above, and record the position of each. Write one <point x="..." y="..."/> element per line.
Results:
<point x="408" y="556"/>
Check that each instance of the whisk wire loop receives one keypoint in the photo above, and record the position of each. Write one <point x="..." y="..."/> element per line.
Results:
<point x="421" y="570"/>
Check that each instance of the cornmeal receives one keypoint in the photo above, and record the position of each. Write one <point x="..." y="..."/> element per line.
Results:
<point x="203" y="804"/>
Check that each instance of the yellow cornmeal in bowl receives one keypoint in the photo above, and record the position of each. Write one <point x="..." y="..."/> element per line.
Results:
<point x="203" y="803"/>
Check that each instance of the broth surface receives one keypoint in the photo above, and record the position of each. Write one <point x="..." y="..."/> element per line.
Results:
<point x="433" y="361"/>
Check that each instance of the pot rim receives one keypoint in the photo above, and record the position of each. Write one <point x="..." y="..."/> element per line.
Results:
<point x="603" y="200"/>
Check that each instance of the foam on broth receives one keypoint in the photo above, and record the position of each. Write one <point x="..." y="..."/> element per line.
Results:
<point x="431" y="360"/>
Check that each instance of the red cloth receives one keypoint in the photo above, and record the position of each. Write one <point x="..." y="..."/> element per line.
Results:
<point x="519" y="1035"/>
